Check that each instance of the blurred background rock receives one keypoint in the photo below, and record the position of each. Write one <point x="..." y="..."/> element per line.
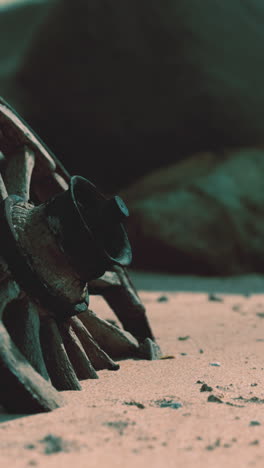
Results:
<point x="162" y="100"/>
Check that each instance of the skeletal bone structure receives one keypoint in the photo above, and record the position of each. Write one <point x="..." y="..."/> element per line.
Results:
<point x="61" y="240"/>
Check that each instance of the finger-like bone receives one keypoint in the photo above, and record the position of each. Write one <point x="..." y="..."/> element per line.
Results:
<point x="99" y="359"/>
<point x="81" y="363"/>
<point x="22" y="389"/>
<point x="22" y="322"/>
<point x="113" y="340"/>
<point x="59" y="367"/>
<point x="19" y="172"/>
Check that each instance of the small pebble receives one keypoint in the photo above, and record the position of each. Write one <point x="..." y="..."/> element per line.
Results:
<point x="254" y="442"/>
<point x="260" y="314"/>
<point x="162" y="299"/>
<point x="215" y="364"/>
<point x="254" y="423"/>
<point x="215" y="298"/>
<point x="214" y="399"/>
<point x="206" y="388"/>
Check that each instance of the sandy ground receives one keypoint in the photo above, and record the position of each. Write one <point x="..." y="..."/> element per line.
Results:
<point x="154" y="413"/>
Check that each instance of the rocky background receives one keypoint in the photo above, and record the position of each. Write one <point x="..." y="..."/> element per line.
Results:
<point x="161" y="100"/>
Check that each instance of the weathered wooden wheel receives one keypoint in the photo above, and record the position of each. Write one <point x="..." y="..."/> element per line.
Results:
<point x="61" y="240"/>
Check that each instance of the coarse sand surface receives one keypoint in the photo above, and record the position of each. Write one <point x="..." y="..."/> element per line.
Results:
<point x="202" y="405"/>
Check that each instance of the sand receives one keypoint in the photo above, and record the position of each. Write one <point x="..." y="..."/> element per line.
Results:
<point x="154" y="413"/>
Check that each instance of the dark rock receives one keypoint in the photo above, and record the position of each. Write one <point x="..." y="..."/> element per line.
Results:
<point x="163" y="299"/>
<point x="214" y="399"/>
<point x="206" y="388"/>
<point x="54" y="444"/>
<point x="215" y="298"/>
<point x="199" y="217"/>
<point x="168" y="404"/>
<point x="183" y="338"/>
<point x="134" y="403"/>
<point x="140" y="83"/>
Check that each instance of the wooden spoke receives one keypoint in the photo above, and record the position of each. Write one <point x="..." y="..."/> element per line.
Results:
<point x="22" y="389"/>
<point x="3" y="191"/>
<point x="60" y="369"/>
<point x="99" y="359"/>
<point x="21" y="319"/>
<point x="19" y="172"/>
<point x="114" y="341"/>
<point x="81" y="363"/>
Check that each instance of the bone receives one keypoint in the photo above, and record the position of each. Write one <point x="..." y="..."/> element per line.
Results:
<point x="114" y="341"/>
<point x="80" y="361"/>
<point x="22" y="389"/>
<point x="59" y="367"/>
<point x="19" y="172"/>
<point x="99" y="359"/>
<point x="21" y="320"/>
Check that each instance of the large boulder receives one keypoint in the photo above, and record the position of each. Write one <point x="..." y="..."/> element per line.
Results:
<point x="204" y="215"/>
<point x="118" y="88"/>
<point x="19" y="21"/>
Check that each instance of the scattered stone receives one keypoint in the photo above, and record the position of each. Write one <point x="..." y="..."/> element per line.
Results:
<point x="134" y="403"/>
<point x="250" y="400"/>
<point x="213" y="446"/>
<point x="215" y="364"/>
<point x="206" y="388"/>
<point x="167" y="357"/>
<point x="254" y="442"/>
<point x="214" y="399"/>
<point x="200" y="382"/>
<point x="163" y="299"/>
<point x="183" y="354"/>
<point x="168" y="404"/>
<point x="30" y="446"/>
<point x="228" y="403"/>
<point x="183" y="338"/>
<point x="215" y="298"/>
<point x="119" y="426"/>
<point x="201" y="351"/>
<point x="254" y="385"/>
<point x="255" y="423"/>
<point x="260" y="314"/>
<point x="54" y="444"/>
